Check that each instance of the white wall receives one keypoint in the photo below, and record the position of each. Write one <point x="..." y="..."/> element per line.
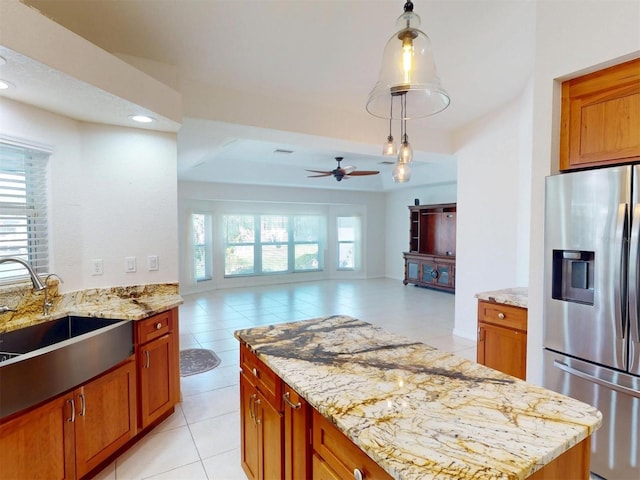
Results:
<point x="491" y="249"/>
<point x="218" y="199"/>
<point x="572" y="37"/>
<point x="113" y="194"/>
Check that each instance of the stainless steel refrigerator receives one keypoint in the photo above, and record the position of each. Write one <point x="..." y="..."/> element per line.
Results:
<point x="592" y="303"/>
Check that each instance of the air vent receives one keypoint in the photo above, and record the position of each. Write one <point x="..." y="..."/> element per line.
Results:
<point x="283" y="151"/>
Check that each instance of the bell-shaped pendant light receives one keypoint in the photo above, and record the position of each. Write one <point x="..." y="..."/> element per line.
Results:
<point x="408" y="69"/>
<point x="401" y="172"/>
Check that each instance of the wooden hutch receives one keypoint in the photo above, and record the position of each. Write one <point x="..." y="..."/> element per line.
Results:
<point x="431" y="259"/>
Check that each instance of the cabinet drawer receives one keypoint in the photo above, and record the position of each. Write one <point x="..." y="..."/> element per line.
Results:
<point x="262" y="377"/>
<point x="154" y="327"/>
<point x="340" y="454"/>
<point x="503" y="315"/>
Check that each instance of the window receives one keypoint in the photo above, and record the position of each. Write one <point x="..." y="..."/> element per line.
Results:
<point x="271" y="244"/>
<point x="348" y="245"/>
<point x="201" y="246"/>
<point x="23" y="209"/>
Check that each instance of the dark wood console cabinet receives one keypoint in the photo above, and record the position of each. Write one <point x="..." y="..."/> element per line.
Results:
<point x="431" y="259"/>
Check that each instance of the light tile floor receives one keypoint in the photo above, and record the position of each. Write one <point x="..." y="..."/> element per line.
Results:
<point x="201" y="440"/>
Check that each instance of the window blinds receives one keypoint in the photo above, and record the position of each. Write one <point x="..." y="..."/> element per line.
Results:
<point x="23" y="209"/>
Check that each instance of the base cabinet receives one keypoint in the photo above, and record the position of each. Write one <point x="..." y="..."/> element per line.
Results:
<point x="502" y="338"/>
<point x="40" y="444"/>
<point x="69" y="436"/>
<point x="158" y="366"/>
<point x="105" y="418"/>
<point x="338" y="457"/>
<point x="75" y="434"/>
<point x="297" y="435"/>
<point x="261" y="419"/>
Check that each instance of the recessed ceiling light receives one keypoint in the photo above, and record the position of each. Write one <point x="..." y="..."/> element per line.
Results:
<point x="5" y="85"/>
<point x="141" y="118"/>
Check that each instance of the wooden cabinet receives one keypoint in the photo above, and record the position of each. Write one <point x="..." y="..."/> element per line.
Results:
<point x="297" y="438"/>
<point x="502" y="338"/>
<point x="157" y="344"/>
<point x="72" y="434"/>
<point x="105" y="418"/>
<point x="261" y="419"/>
<point x="430" y="261"/>
<point x="600" y="120"/>
<point x="335" y="456"/>
<point x="40" y="443"/>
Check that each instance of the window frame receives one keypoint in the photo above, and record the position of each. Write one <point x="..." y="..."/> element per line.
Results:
<point x="206" y="247"/>
<point x="24" y="206"/>
<point x="258" y="244"/>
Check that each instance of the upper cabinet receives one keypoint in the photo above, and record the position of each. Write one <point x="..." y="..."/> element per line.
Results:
<point x="600" y="122"/>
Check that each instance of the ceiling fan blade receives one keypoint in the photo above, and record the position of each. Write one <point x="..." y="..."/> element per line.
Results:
<point x="348" y="169"/>
<point x="321" y="175"/>
<point x="364" y="172"/>
<point x="320" y="171"/>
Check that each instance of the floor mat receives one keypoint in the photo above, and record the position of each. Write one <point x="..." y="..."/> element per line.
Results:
<point x="197" y="360"/>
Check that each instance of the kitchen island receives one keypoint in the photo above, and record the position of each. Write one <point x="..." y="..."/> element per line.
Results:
<point x="417" y="412"/>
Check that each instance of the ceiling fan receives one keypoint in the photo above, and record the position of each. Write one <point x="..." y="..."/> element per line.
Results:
<point x="340" y="173"/>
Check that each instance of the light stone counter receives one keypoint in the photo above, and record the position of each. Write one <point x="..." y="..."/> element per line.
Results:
<point x="421" y="413"/>
<point x="518" y="296"/>
<point x="124" y="303"/>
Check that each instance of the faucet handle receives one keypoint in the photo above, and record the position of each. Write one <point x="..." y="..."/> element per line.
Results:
<point x="46" y="279"/>
<point x="5" y="309"/>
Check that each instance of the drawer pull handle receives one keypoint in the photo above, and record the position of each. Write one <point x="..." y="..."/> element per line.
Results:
<point x="501" y="316"/>
<point x="72" y="403"/>
<point x="287" y="400"/>
<point x="83" y="407"/>
<point x="158" y="326"/>
<point x="255" y="372"/>
<point x="357" y="474"/>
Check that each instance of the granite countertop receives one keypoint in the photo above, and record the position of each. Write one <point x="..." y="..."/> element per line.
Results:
<point x="421" y="413"/>
<point x="123" y="303"/>
<point x="518" y="296"/>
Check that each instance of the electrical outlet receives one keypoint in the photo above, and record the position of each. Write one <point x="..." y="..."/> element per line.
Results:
<point x="96" y="267"/>
<point x="129" y="264"/>
<point x="153" y="263"/>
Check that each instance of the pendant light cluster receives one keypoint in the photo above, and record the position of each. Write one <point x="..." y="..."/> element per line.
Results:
<point x="408" y="79"/>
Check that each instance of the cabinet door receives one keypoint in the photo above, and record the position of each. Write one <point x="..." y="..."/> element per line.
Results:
<point x="40" y="443"/>
<point x="269" y="421"/>
<point x="297" y="427"/>
<point x="156" y="365"/>
<point x="601" y="117"/>
<point x="105" y="416"/>
<point x="503" y="349"/>
<point x="249" y="429"/>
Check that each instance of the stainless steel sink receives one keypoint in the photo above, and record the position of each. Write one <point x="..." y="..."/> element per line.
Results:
<point x="44" y="360"/>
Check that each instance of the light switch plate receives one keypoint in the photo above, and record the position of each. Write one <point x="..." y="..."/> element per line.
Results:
<point x="130" y="264"/>
<point x="153" y="263"/>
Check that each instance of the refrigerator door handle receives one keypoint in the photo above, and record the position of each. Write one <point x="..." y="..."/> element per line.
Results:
<point x="595" y="379"/>
<point x="620" y="272"/>
<point x="634" y="240"/>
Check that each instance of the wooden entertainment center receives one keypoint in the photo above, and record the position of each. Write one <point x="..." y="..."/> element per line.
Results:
<point x="431" y="259"/>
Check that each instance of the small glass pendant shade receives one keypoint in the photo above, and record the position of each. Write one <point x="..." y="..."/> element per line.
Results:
<point x="389" y="148"/>
<point x="401" y="173"/>
<point x="405" y="153"/>
<point x="408" y="68"/>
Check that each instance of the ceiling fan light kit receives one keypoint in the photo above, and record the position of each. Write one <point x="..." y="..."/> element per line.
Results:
<point x="408" y="74"/>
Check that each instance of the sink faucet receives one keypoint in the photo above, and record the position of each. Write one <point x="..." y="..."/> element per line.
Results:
<point x="38" y="284"/>
<point x="48" y="303"/>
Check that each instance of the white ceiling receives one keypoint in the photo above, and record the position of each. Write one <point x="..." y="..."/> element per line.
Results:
<point x="321" y="53"/>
